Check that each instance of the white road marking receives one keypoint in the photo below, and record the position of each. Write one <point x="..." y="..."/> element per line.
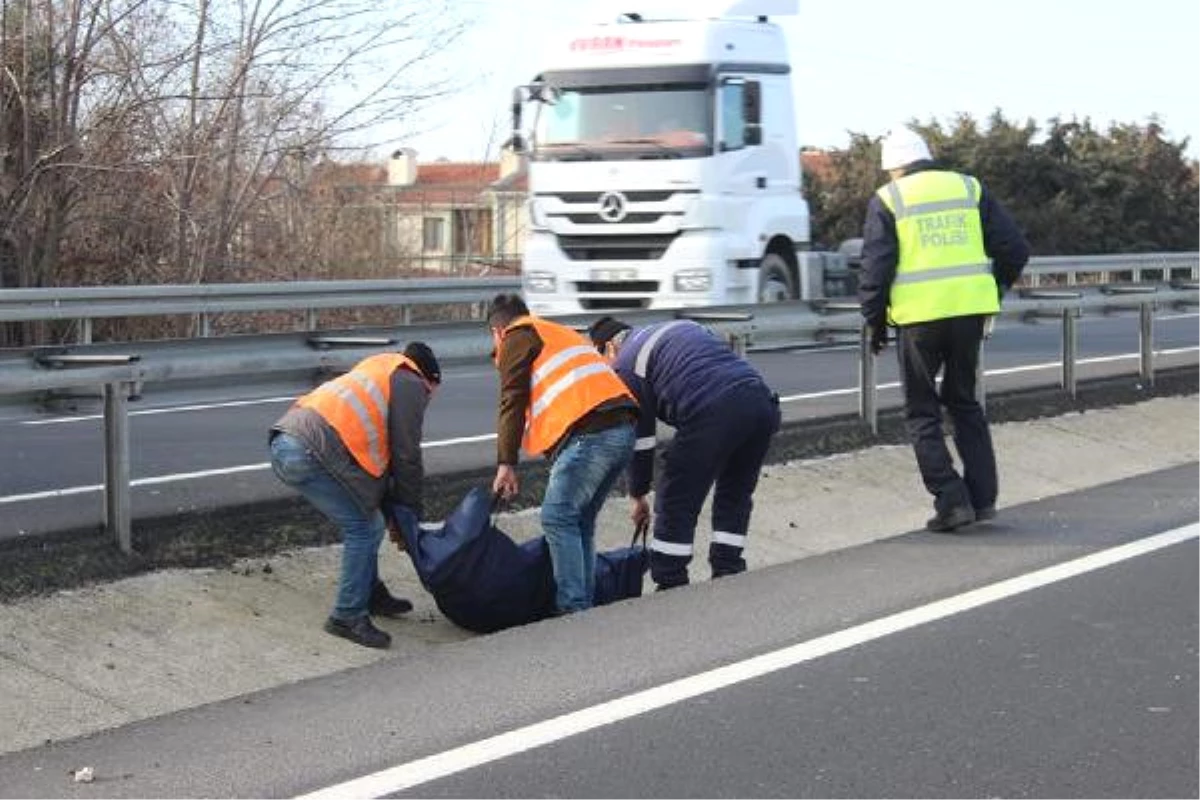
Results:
<point x="484" y="751"/>
<point x="207" y="473"/>
<point x="148" y="412"/>
<point x="483" y="437"/>
<point x="1000" y="371"/>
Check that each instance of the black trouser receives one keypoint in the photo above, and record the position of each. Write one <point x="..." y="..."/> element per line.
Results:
<point x="725" y="444"/>
<point x="924" y="349"/>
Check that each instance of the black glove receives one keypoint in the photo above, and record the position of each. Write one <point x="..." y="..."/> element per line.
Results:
<point x="878" y="338"/>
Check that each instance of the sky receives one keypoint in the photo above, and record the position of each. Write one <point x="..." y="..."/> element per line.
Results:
<point x="864" y="65"/>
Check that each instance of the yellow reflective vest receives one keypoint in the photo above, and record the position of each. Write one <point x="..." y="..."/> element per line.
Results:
<point x="943" y="270"/>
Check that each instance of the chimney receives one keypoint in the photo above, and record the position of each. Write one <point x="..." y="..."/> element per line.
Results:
<point x="402" y="169"/>
<point x="511" y="162"/>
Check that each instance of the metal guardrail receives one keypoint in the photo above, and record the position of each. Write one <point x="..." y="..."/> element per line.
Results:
<point x="1104" y="266"/>
<point x="117" y="370"/>
<point x="87" y="303"/>
<point x="100" y="302"/>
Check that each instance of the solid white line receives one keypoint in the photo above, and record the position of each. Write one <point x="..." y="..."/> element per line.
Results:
<point x="423" y="770"/>
<point x="147" y="412"/>
<point x="153" y="480"/>
<point x="1000" y="371"/>
<point x="207" y="473"/>
<point x="483" y="437"/>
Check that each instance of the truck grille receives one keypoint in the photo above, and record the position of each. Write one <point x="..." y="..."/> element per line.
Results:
<point x="613" y="303"/>
<point x="638" y="247"/>
<point x="645" y="196"/>
<point x="617" y="286"/>
<point x="634" y="218"/>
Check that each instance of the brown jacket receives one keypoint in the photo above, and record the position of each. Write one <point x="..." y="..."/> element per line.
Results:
<point x="519" y="350"/>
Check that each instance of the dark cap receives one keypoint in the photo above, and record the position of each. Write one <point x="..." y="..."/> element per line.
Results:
<point x="604" y="329"/>
<point x="422" y="355"/>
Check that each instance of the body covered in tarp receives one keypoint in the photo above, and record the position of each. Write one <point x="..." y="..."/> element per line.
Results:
<point x="484" y="581"/>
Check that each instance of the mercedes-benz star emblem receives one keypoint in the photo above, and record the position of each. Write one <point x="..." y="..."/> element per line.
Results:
<point x="612" y="206"/>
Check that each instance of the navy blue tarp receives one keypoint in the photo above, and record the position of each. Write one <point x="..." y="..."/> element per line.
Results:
<point x="484" y="581"/>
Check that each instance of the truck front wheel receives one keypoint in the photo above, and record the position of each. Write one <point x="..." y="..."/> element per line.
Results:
<point x="774" y="279"/>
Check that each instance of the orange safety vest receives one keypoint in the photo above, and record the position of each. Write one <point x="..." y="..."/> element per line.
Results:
<point x="355" y="405"/>
<point x="569" y="379"/>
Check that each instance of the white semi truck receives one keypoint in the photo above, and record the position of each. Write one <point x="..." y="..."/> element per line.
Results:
<point x="664" y="167"/>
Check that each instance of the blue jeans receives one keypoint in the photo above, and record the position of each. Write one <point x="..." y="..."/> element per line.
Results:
<point x="585" y="471"/>
<point x="298" y="467"/>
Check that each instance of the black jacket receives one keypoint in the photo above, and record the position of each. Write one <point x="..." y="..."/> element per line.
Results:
<point x="1002" y="240"/>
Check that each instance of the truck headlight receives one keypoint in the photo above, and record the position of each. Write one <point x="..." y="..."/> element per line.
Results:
<point x="693" y="280"/>
<point x="539" y="282"/>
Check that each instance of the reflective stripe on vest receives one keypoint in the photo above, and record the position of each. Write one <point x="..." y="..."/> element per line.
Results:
<point x="643" y="356"/>
<point x="942" y="270"/>
<point x="356" y="404"/>
<point x="569" y="379"/>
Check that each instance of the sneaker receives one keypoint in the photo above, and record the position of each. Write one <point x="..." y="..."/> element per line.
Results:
<point x="384" y="604"/>
<point x="984" y="514"/>
<point x="360" y="631"/>
<point x="952" y="519"/>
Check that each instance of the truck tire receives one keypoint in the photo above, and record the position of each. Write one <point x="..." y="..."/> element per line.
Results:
<point x="775" y="279"/>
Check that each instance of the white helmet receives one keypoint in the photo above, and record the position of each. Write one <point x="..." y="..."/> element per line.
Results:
<point x="902" y="147"/>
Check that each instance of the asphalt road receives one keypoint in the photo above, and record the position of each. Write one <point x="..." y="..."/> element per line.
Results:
<point x="209" y="451"/>
<point x="1077" y="682"/>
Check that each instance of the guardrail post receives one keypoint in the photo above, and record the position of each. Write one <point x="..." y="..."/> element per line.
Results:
<point x="1069" y="351"/>
<point x="737" y="343"/>
<point x="205" y="325"/>
<point x="868" y="397"/>
<point x="118" y="512"/>
<point x="1146" y="342"/>
<point x="85" y="330"/>
<point x="310" y="319"/>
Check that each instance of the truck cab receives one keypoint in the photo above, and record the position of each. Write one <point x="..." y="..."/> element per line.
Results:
<point x="664" y="166"/>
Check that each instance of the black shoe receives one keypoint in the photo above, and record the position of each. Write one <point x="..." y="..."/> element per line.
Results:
<point x="984" y="514"/>
<point x="383" y="604"/>
<point x="359" y="631"/>
<point x="952" y="519"/>
<point x="662" y="587"/>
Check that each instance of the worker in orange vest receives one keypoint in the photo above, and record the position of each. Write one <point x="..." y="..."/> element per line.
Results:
<point x="560" y="398"/>
<point x="348" y="445"/>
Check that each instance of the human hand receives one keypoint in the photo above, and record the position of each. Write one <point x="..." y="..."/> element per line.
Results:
<point x="878" y="338"/>
<point x="396" y="535"/>
<point x="505" y="485"/>
<point x="640" y="513"/>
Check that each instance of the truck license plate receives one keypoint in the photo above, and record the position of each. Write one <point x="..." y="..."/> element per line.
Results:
<point x="614" y="275"/>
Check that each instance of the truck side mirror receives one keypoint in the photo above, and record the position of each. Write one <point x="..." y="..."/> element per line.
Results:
<point x="753" y="134"/>
<point x="518" y="100"/>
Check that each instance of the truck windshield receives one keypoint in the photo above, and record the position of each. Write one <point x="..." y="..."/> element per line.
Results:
<point x="598" y="123"/>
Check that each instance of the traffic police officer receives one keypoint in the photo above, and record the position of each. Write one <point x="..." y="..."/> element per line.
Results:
<point x="724" y="416"/>
<point x="939" y="251"/>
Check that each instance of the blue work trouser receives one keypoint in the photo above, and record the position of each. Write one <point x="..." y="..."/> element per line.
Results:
<point x="726" y="445"/>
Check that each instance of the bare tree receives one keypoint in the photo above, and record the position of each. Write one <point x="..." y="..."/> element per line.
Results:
<point x="142" y="133"/>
